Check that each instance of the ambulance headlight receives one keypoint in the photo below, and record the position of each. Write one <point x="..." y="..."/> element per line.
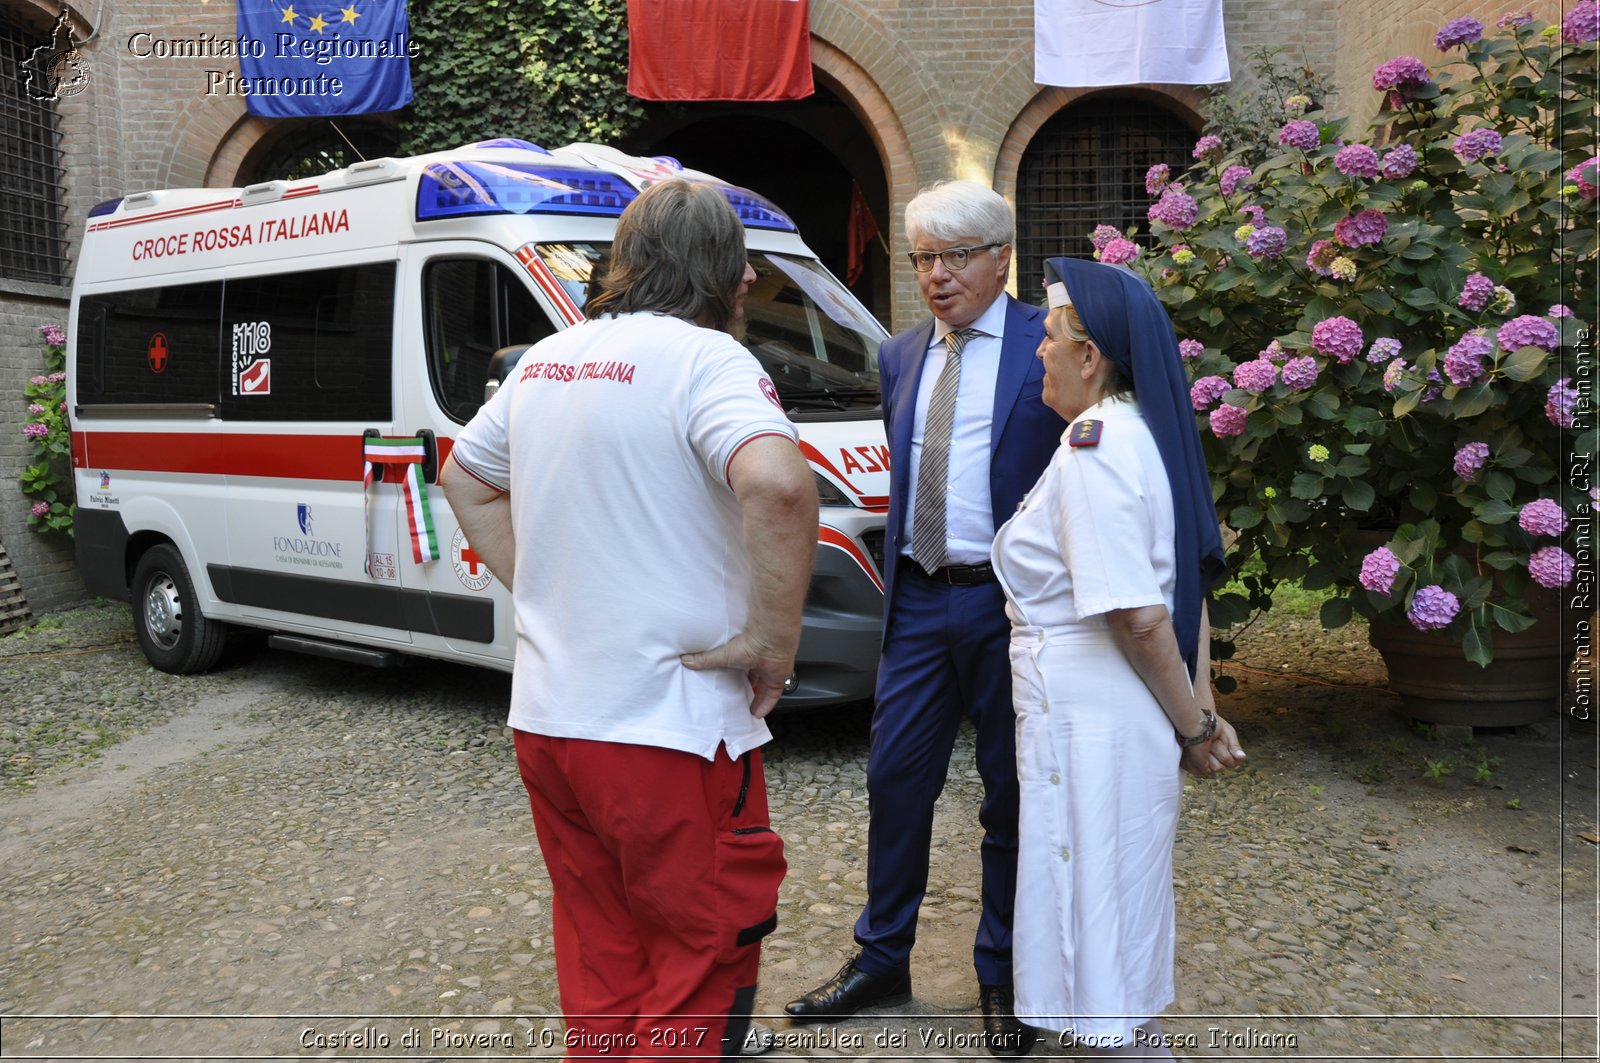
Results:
<point x="828" y="493"/>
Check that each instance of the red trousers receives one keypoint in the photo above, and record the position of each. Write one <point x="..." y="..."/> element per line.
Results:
<point x="665" y="871"/>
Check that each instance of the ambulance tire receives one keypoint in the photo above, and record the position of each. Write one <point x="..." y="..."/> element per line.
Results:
<point x="174" y="634"/>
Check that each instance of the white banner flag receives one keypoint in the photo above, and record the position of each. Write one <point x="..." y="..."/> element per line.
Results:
<point x="1084" y="43"/>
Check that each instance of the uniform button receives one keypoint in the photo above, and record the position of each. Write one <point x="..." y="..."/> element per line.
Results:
<point x="1055" y="778"/>
<point x="1066" y="854"/>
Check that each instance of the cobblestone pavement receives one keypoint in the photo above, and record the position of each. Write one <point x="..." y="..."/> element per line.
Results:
<point x="292" y="858"/>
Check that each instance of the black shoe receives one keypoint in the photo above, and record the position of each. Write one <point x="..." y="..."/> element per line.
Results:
<point x="1004" y="1034"/>
<point x="850" y="991"/>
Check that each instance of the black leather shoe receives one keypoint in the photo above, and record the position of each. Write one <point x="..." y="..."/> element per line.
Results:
<point x="850" y="991"/>
<point x="1003" y="1032"/>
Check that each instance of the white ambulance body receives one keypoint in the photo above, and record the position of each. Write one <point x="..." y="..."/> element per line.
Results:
<point x="233" y="351"/>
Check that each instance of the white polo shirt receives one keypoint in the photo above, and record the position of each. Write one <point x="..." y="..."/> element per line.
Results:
<point x="613" y="439"/>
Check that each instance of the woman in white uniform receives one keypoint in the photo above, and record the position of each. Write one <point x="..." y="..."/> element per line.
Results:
<point x="1105" y="567"/>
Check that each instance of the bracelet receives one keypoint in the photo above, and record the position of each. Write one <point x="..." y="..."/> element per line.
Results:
<point x="1209" y="719"/>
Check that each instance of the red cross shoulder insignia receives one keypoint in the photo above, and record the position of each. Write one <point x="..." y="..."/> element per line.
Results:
<point x="1086" y="433"/>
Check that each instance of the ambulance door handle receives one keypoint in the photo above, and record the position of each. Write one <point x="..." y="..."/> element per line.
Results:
<point x="430" y="456"/>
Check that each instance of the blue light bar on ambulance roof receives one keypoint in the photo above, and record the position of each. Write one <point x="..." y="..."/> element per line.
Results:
<point x="108" y="206"/>
<point x="756" y="212"/>
<point x="466" y="189"/>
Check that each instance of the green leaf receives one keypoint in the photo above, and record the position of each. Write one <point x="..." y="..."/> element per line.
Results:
<point x="1424" y="497"/>
<point x="1336" y="612"/>
<point x="1499" y="485"/>
<point x="1307" y="485"/>
<point x="1494" y="512"/>
<point x="1524" y="363"/>
<point x="1358" y="495"/>
<point x="1242" y="518"/>
<point x="1473" y="401"/>
<point x="1477" y="645"/>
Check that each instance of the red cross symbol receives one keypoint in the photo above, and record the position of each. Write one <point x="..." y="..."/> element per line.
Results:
<point x="470" y="558"/>
<point x="157" y="352"/>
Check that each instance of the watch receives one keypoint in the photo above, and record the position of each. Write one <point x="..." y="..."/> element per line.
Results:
<point x="1209" y="719"/>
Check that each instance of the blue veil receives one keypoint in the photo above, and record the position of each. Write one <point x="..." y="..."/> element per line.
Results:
<point x="1123" y="317"/>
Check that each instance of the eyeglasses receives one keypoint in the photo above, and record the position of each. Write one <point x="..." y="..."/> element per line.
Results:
<point x="954" y="258"/>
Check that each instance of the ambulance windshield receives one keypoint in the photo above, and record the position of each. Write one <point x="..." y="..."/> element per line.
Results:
<point x="815" y="341"/>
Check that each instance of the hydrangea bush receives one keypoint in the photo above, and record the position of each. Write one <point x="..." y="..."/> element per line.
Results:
<point x="1376" y="331"/>
<point x="47" y="478"/>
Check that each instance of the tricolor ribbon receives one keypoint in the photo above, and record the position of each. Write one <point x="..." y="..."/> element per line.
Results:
<point x="406" y="454"/>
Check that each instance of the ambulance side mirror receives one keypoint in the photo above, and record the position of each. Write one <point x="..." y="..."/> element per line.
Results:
<point x="500" y="366"/>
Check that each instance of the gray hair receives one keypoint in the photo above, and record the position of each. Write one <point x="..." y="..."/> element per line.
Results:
<point x="952" y="210"/>
<point x="679" y="250"/>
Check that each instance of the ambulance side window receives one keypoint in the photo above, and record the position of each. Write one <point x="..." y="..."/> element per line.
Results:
<point x="315" y="345"/>
<point x="473" y="307"/>
<point x="150" y="346"/>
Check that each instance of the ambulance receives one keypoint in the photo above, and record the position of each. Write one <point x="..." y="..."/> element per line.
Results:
<point x="263" y="383"/>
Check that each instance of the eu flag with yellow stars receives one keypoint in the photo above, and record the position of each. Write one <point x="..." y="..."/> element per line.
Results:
<point x="312" y="58"/>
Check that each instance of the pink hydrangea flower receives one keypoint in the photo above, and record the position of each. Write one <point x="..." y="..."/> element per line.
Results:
<point x="1320" y="258"/>
<point x="1232" y="178"/>
<point x="1463" y="364"/>
<point x="35" y="430"/>
<point x="1476" y="145"/>
<point x="1551" y="566"/>
<point x="1458" y="31"/>
<point x="1273" y="352"/>
<point x="1256" y="214"/>
<point x="1542" y="516"/>
<point x="1383" y="348"/>
<point x="1475" y="293"/>
<point x="1582" y="23"/>
<point x="1119" y="251"/>
<point x="1255" y="376"/>
<point x="1379" y="569"/>
<point x="1513" y="19"/>
<point x="1561" y="402"/>
<point x="1338" y="337"/>
<point x="1559" y="310"/>
<point x="1207" y="146"/>
<point x="1300" y="134"/>
<point x="40" y="509"/>
<point x="1392" y="374"/>
<point x="1359" y="230"/>
<point x="1103" y="235"/>
<point x="34" y="409"/>
<point x="1399" y="162"/>
<point x="1157" y="177"/>
<point x="1227" y="420"/>
<point x="1401" y="72"/>
<point x="54" y="335"/>
<point x="1190" y="349"/>
<point x="1356" y="160"/>
<point x="1432" y="608"/>
<point x="1586" y="175"/>
<point x="1528" y="331"/>
<point x="1300" y="373"/>
<point x="1470" y="461"/>
<point x="1176" y="208"/>
<point x="1208" y="389"/>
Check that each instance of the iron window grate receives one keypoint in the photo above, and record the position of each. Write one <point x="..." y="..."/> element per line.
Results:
<point x="33" y="245"/>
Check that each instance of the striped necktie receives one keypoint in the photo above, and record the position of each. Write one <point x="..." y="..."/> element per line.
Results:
<point x="933" y="471"/>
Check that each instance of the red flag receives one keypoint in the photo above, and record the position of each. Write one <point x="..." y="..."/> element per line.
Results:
<point x="719" y="49"/>
<point x="863" y="227"/>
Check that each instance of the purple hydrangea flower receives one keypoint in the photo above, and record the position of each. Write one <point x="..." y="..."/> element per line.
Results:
<point x="1528" y="331"/>
<point x="39" y="381"/>
<point x="1559" y="310"/>
<point x="1207" y="146"/>
<point x="1228" y="420"/>
<point x="1470" y="461"/>
<point x="1586" y="175"/>
<point x="1338" y="337"/>
<point x="1233" y="177"/>
<point x="1383" y="348"/>
<point x="1392" y="374"/>
<point x="1176" y="208"/>
<point x="1119" y="251"/>
<point x="1208" y="389"/>
<point x="1458" y="31"/>
<point x="1273" y="352"/>
<point x="1542" y="516"/>
<point x="1401" y="72"/>
<point x="1359" y="230"/>
<point x="1267" y="242"/>
<point x="1513" y="19"/>
<point x="1478" y="144"/>
<point x="1255" y="376"/>
<point x="1475" y="293"/>
<point x="1256" y="214"/>
<point x="1356" y="160"/>
<point x="1561" y="402"/>
<point x="1190" y="349"/>
<point x="1378" y="570"/>
<point x="1464" y="362"/>
<point x="1582" y="22"/>
<point x="1435" y="388"/>
<point x="1399" y="162"/>
<point x="1551" y="566"/>
<point x="35" y="430"/>
<point x="1300" y="134"/>
<point x="1103" y="235"/>
<point x="1157" y="177"/>
<point x="34" y="409"/>
<point x="54" y="335"/>
<point x="1300" y="373"/>
<point x="1432" y="608"/>
<point x="1320" y="258"/>
<point x="40" y="509"/>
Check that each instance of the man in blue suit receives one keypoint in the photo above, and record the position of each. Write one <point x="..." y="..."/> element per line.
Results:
<point x="968" y="435"/>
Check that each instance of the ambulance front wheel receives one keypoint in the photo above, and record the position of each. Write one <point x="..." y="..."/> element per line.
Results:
<point x="174" y="634"/>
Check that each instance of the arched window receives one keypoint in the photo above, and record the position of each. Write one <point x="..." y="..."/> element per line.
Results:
<point x="1085" y="167"/>
<point x="318" y="147"/>
<point x="33" y="245"/>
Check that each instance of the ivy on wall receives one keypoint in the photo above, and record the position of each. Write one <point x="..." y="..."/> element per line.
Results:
<point x="550" y="72"/>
